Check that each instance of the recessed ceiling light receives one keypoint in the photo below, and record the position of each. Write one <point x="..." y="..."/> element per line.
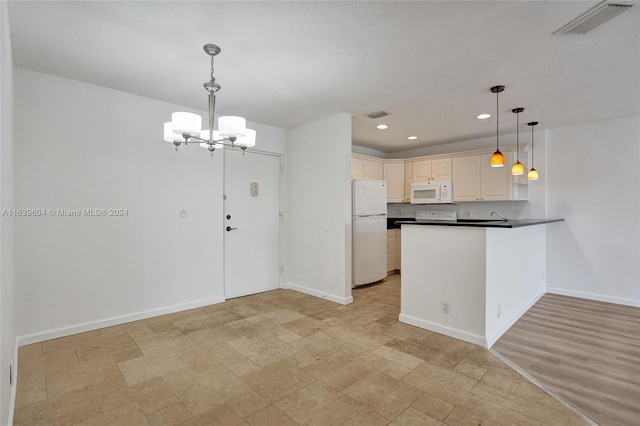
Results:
<point x="412" y="138"/>
<point x="483" y="116"/>
<point x="382" y="126"/>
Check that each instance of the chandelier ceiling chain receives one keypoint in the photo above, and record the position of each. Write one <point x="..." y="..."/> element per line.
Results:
<point x="185" y="126"/>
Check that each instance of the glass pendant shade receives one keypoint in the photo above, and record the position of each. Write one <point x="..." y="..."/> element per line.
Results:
<point x="186" y="122"/>
<point x="517" y="169"/>
<point x="248" y="140"/>
<point x="169" y="135"/>
<point x="216" y="137"/>
<point x="497" y="159"/>
<point x="232" y="126"/>
<point x="533" y="174"/>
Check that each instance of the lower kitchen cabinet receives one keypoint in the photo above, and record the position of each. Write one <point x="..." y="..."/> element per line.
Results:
<point x="393" y="250"/>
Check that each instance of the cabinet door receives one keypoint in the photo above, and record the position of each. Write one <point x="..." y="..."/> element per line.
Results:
<point x="466" y="178"/>
<point x="422" y="171"/>
<point x="408" y="175"/>
<point x="496" y="181"/>
<point x="373" y="170"/>
<point x="391" y="250"/>
<point x="441" y="169"/>
<point x="357" y="168"/>
<point x="394" y="175"/>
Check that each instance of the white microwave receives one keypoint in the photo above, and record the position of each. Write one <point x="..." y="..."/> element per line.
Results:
<point x="433" y="192"/>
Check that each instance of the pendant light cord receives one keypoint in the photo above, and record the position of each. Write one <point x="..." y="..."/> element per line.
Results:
<point x="497" y="121"/>
<point x="531" y="146"/>
<point x="518" y="137"/>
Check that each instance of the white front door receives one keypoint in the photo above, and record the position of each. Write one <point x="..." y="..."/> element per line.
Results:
<point x="252" y="223"/>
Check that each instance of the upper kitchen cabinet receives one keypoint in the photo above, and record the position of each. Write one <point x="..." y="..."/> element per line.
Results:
<point x="425" y="170"/>
<point x="394" y="175"/>
<point x="365" y="167"/>
<point x="475" y="180"/>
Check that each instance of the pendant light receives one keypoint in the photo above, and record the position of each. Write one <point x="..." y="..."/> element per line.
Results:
<point x="497" y="159"/>
<point x="533" y="173"/>
<point x="518" y="168"/>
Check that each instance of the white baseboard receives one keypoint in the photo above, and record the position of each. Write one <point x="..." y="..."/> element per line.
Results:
<point x="506" y="326"/>
<point x="318" y="293"/>
<point x="594" y="296"/>
<point x="108" y="322"/>
<point x="443" y="329"/>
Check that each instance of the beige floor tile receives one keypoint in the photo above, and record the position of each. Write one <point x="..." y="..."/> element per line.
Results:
<point x="475" y="410"/>
<point x="301" y="359"/>
<point x="268" y="351"/>
<point x="318" y="404"/>
<point x="154" y="395"/>
<point x="406" y="360"/>
<point x="173" y="415"/>
<point x="130" y="415"/>
<point x="149" y="366"/>
<point x="440" y="382"/>
<point x="105" y="346"/>
<point x="305" y="326"/>
<point x="394" y="370"/>
<point x="344" y="368"/>
<point x="38" y="362"/>
<point x="360" y="338"/>
<point x="203" y="360"/>
<point x="483" y="358"/>
<point x="77" y="406"/>
<point x="277" y="380"/>
<point x="138" y="330"/>
<point x="202" y="392"/>
<point x="413" y="417"/>
<point x="248" y="403"/>
<point x="213" y="336"/>
<point x="30" y="389"/>
<point x="116" y="330"/>
<point x="222" y="415"/>
<point x="270" y="416"/>
<point x="386" y="396"/>
<point x="406" y="332"/>
<point x="126" y="355"/>
<point x="243" y="368"/>
<point x="470" y="370"/>
<point x="319" y="344"/>
<point x="88" y="373"/>
<point x="289" y="337"/>
<point x="434" y="407"/>
<point x="70" y="341"/>
<point x="165" y="340"/>
<point x="522" y="397"/>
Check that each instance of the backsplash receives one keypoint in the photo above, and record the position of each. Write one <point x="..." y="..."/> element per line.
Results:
<point x="509" y="209"/>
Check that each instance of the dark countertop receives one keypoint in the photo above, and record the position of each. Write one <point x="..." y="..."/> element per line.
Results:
<point x="475" y="223"/>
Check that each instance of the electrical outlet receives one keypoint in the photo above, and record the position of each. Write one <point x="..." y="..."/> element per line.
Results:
<point x="446" y="309"/>
<point x="498" y="312"/>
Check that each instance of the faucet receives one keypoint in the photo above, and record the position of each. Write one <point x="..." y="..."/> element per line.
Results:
<point x="504" y="219"/>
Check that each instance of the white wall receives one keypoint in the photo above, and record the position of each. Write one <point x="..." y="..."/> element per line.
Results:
<point x="319" y="218"/>
<point x="7" y="327"/>
<point x="594" y="183"/>
<point x="80" y="146"/>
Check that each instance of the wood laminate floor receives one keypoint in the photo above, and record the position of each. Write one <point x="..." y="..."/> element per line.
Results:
<point x="586" y="352"/>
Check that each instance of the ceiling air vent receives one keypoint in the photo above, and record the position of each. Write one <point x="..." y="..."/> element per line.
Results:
<point x="592" y="18"/>
<point x="377" y="114"/>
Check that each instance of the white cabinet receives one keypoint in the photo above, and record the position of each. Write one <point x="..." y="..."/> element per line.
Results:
<point x="475" y="180"/>
<point x="394" y="175"/>
<point x="466" y="178"/>
<point x="364" y="167"/>
<point x="393" y="250"/>
<point x="425" y="170"/>
<point x="408" y="175"/>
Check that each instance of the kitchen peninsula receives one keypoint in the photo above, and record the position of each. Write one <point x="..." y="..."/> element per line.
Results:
<point x="471" y="280"/>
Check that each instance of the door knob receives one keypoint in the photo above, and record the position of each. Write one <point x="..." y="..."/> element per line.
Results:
<point x="230" y="228"/>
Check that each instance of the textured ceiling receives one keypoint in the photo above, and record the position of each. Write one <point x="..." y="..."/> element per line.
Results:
<point x="429" y="64"/>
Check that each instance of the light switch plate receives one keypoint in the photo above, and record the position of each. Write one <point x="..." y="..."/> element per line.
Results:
<point x="183" y="211"/>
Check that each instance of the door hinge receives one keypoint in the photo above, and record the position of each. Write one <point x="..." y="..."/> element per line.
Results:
<point x="281" y="269"/>
<point x="224" y="197"/>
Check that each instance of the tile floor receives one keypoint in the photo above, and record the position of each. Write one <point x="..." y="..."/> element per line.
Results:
<point x="277" y="358"/>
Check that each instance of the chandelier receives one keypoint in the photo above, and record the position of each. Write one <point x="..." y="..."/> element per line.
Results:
<point x="186" y="127"/>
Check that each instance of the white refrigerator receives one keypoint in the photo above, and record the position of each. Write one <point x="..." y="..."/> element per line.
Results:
<point x="369" y="210"/>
